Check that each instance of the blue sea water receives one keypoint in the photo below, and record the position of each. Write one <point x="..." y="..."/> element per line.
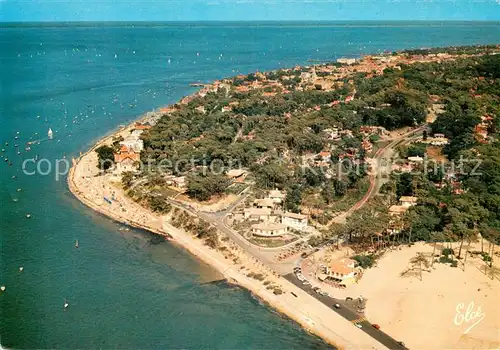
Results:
<point x="83" y="81"/>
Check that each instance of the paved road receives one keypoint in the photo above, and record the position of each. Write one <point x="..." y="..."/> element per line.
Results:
<point x="348" y="314"/>
<point x="267" y="257"/>
<point x="375" y="178"/>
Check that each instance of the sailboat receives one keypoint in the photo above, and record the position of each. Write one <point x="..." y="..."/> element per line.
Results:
<point x="50" y="134"/>
<point x="76" y="244"/>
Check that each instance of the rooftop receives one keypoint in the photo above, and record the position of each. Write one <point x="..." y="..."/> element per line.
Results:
<point x="258" y="211"/>
<point x="397" y="209"/>
<point x="268" y="226"/>
<point x="295" y="216"/>
<point x="408" y="199"/>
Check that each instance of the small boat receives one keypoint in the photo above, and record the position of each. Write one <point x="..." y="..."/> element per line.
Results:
<point x="65" y="303"/>
<point x="76" y="244"/>
<point x="50" y="134"/>
<point x="21" y="269"/>
<point x="2" y="288"/>
<point x="15" y="199"/>
<point x="19" y="190"/>
<point x="28" y="216"/>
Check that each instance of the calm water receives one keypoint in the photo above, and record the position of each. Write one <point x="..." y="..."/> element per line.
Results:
<point x="124" y="291"/>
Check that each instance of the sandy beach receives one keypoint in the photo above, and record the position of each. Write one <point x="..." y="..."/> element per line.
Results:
<point x="431" y="313"/>
<point x="314" y="316"/>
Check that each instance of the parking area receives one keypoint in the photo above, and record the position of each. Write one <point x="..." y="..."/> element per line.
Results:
<point x="345" y="308"/>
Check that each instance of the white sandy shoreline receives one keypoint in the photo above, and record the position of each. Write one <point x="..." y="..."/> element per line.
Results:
<point x="304" y="309"/>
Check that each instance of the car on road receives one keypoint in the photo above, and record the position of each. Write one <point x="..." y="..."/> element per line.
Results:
<point x="337" y="306"/>
<point x="358" y="325"/>
<point x="376" y="326"/>
<point x="401" y="343"/>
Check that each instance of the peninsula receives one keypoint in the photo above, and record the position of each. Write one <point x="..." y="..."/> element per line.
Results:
<point x="345" y="195"/>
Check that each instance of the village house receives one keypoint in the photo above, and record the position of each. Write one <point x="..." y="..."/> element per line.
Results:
<point x="408" y="201"/>
<point x="142" y="126"/>
<point x="136" y="133"/>
<point x="415" y="160"/>
<point x="178" y="182"/>
<point x="237" y="175"/>
<point x="269" y="229"/>
<point x="298" y="221"/>
<point x="332" y="134"/>
<point x="397" y="210"/>
<point x="277" y="196"/>
<point x="126" y="159"/>
<point x="342" y="271"/>
<point x="348" y="61"/>
<point x="325" y="156"/>
<point x="258" y="214"/>
<point x="367" y="145"/>
<point x="133" y="143"/>
<point x="264" y="203"/>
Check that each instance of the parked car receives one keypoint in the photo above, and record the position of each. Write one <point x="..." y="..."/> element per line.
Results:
<point x="358" y="325"/>
<point x="376" y="326"/>
<point x="337" y="306"/>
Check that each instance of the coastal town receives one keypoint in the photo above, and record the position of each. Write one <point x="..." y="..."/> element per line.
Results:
<point x="333" y="192"/>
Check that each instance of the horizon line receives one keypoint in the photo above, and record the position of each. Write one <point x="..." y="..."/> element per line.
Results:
<point x="257" y="20"/>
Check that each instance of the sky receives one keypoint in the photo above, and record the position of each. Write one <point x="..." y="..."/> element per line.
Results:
<point x="246" y="10"/>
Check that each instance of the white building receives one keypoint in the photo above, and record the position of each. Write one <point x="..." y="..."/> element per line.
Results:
<point x="268" y="229"/>
<point x="342" y="271"/>
<point x="264" y="203"/>
<point x="408" y="201"/>
<point x="297" y="221"/>
<point x="348" y="61"/>
<point x="261" y="214"/>
<point x="133" y="143"/>
<point x="277" y="196"/>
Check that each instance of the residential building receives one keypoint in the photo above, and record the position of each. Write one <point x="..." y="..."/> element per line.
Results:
<point x="325" y="156"/>
<point x="416" y="160"/>
<point x="236" y="174"/>
<point x="269" y="229"/>
<point x="408" y="201"/>
<point x="133" y="143"/>
<point x="367" y="145"/>
<point x="179" y="182"/>
<point x="261" y="214"/>
<point x="342" y="271"/>
<point x="264" y="203"/>
<point x="397" y="210"/>
<point x="298" y="221"/>
<point x="126" y="159"/>
<point x="142" y="126"/>
<point x="277" y="196"/>
<point x="347" y="61"/>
